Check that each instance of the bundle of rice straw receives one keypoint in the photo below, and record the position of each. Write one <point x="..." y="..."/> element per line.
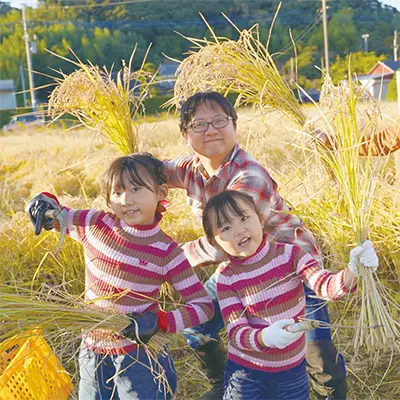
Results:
<point x="357" y="181"/>
<point x="98" y="102"/>
<point x="52" y="310"/>
<point x="56" y="313"/>
<point x="244" y="67"/>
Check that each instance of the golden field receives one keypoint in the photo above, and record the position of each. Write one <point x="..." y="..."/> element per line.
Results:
<point x="70" y="164"/>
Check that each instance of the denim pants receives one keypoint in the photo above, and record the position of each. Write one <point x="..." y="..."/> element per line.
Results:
<point x="325" y="366"/>
<point x="123" y="377"/>
<point x="241" y="383"/>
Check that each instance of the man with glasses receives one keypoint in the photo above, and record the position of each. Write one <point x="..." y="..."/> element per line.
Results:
<point x="208" y="126"/>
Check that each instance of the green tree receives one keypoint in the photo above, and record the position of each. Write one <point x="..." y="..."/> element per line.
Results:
<point x="392" y="94"/>
<point x="360" y="64"/>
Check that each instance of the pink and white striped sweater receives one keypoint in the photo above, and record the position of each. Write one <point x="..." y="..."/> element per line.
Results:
<point x="135" y="261"/>
<point x="255" y="292"/>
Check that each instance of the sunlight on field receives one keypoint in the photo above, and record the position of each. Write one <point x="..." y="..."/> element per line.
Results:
<point x="70" y="164"/>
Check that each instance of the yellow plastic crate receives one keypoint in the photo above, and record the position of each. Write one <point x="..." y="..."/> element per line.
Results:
<point x="29" y="370"/>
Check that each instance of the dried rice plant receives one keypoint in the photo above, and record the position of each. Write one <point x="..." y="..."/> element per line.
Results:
<point x="354" y="186"/>
<point x="58" y="314"/>
<point x="52" y="310"/>
<point x="110" y="107"/>
<point x="244" y="67"/>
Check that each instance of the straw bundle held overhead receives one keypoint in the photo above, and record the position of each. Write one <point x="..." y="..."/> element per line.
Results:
<point x="355" y="182"/>
<point x="244" y="67"/>
<point x="91" y="95"/>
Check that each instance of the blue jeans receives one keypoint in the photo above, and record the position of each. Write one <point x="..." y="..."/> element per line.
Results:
<point x="241" y="383"/>
<point x="325" y="366"/>
<point x="123" y="377"/>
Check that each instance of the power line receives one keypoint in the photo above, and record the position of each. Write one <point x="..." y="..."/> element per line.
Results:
<point x="304" y="32"/>
<point x="122" y="3"/>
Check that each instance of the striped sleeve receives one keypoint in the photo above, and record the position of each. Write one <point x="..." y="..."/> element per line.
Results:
<point x="78" y="221"/>
<point x="198" y="305"/>
<point x="177" y="171"/>
<point x="324" y="283"/>
<point x="283" y="225"/>
<point x="239" y="330"/>
<point x="201" y="253"/>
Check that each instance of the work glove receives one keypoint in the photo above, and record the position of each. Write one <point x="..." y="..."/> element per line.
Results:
<point x="142" y="327"/>
<point x="276" y="336"/>
<point x="365" y="255"/>
<point x="36" y="209"/>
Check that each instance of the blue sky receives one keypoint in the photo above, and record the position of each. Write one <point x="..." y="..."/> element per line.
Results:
<point x="17" y="3"/>
<point x="394" y="3"/>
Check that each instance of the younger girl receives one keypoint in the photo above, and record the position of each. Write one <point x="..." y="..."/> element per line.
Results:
<point x="260" y="293"/>
<point x="127" y="253"/>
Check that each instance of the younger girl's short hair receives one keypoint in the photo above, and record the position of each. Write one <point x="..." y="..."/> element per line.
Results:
<point x="142" y="169"/>
<point x="220" y="208"/>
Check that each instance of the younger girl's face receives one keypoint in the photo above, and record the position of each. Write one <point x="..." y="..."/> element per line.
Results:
<point x="136" y="205"/>
<point x="242" y="235"/>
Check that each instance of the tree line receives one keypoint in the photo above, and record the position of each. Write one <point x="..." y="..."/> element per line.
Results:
<point x="106" y="31"/>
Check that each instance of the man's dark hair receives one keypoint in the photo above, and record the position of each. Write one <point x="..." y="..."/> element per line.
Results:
<point x="142" y="169"/>
<point x="220" y="208"/>
<point x="210" y="99"/>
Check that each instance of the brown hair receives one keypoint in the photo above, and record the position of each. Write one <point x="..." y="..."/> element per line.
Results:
<point x="142" y="169"/>
<point x="221" y="207"/>
<point x="210" y="99"/>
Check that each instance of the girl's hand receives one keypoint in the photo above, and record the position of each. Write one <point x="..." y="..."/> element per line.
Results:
<point x="365" y="255"/>
<point x="37" y="207"/>
<point x="276" y="336"/>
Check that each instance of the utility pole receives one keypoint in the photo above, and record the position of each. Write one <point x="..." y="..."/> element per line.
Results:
<point x="397" y="77"/>
<point x="325" y="26"/>
<point x="29" y="60"/>
<point x="365" y="36"/>
<point x="292" y="76"/>
<point x="22" y="74"/>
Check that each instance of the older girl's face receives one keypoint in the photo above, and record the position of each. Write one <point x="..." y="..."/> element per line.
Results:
<point x="241" y="236"/>
<point x="136" y="205"/>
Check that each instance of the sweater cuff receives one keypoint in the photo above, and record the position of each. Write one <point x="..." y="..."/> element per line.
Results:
<point x="47" y="194"/>
<point x="162" y="321"/>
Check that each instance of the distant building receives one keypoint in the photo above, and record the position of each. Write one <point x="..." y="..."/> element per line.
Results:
<point x="8" y="99"/>
<point x="377" y="80"/>
<point x="166" y="77"/>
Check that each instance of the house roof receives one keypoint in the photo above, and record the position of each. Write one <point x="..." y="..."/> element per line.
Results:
<point x="7" y="84"/>
<point x="393" y="65"/>
<point x="389" y="66"/>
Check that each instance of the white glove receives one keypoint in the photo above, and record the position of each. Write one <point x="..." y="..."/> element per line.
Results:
<point x="277" y="337"/>
<point x="365" y="255"/>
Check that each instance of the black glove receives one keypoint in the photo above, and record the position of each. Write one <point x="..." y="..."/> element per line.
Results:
<point x="36" y="209"/>
<point x="142" y="327"/>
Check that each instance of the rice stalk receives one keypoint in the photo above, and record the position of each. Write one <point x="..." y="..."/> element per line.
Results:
<point x="102" y="103"/>
<point x="23" y="310"/>
<point x="244" y="67"/>
<point x="356" y="181"/>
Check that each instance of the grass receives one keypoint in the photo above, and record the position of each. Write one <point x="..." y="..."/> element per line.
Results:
<point x="69" y="163"/>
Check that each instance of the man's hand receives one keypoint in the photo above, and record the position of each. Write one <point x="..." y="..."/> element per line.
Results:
<point x="365" y="255"/>
<point x="142" y="327"/>
<point x="36" y="209"/>
<point x="276" y="336"/>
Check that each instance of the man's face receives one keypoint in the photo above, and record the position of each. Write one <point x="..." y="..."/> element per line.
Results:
<point x="214" y="143"/>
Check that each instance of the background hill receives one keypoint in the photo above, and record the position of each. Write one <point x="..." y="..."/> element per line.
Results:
<point x="105" y="31"/>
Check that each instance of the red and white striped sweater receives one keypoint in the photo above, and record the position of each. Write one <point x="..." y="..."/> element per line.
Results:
<point x="255" y="292"/>
<point x="135" y="260"/>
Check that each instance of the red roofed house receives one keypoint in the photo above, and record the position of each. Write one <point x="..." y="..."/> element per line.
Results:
<point x="378" y="78"/>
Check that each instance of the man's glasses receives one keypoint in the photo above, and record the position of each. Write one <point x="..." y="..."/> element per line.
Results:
<point x="218" y="123"/>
